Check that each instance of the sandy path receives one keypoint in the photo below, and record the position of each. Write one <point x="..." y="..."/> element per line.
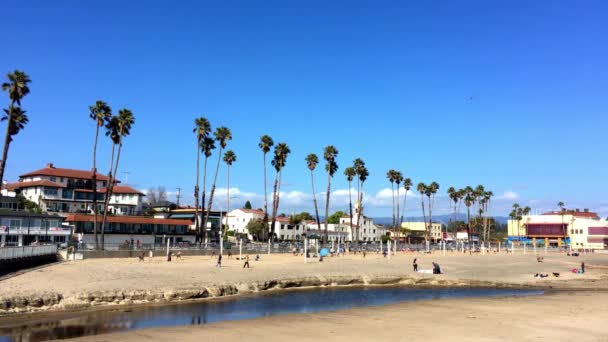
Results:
<point x="573" y="316"/>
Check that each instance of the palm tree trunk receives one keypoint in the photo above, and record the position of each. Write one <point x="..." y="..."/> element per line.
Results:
<point x="217" y="170"/>
<point x="404" y="202"/>
<point x="94" y="179"/>
<point x="203" y="198"/>
<point x="398" y="228"/>
<point x="350" y="205"/>
<point x="265" y="195"/>
<point x="196" y="187"/>
<point x="426" y="235"/>
<point x="393" y="198"/>
<point x="431" y="202"/>
<point x="359" y="211"/>
<point x="469" y="226"/>
<point x="314" y="200"/>
<point x="274" y="210"/>
<point x="227" y="204"/>
<point x="327" y="204"/>
<point x="7" y="143"/>
<point x="107" y="199"/>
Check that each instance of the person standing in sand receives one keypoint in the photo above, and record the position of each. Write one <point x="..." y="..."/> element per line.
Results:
<point x="415" y="264"/>
<point x="219" y="261"/>
<point x="246" y="264"/>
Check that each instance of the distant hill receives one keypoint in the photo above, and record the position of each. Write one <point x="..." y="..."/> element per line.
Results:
<point x="444" y="219"/>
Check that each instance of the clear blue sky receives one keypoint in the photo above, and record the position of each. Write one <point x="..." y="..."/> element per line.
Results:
<point x="510" y="94"/>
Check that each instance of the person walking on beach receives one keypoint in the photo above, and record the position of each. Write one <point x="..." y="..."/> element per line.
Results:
<point x="582" y="267"/>
<point x="415" y="264"/>
<point x="246" y="264"/>
<point x="219" y="261"/>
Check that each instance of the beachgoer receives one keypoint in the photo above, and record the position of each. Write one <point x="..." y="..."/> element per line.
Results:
<point x="582" y="267"/>
<point x="169" y="256"/>
<point x="246" y="264"/>
<point x="178" y="255"/>
<point x="415" y="264"/>
<point x="229" y="255"/>
<point x="257" y="257"/>
<point x="436" y="268"/>
<point x="364" y="253"/>
<point x="219" y="261"/>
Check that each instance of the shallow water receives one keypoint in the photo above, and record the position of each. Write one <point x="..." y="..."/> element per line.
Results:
<point x="279" y="303"/>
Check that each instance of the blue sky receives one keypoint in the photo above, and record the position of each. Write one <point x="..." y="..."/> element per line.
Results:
<point x="511" y="95"/>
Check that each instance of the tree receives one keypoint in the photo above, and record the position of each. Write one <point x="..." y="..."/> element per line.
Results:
<point x="265" y="144"/>
<point x="247" y="205"/>
<point x="101" y="114"/>
<point x="311" y="162"/>
<point x="222" y="135"/>
<point x="407" y="185"/>
<point x="118" y="128"/>
<point x="329" y="154"/>
<point x="350" y="174"/>
<point x="422" y="189"/>
<point x="562" y="210"/>
<point x="362" y="174"/>
<point x="229" y="159"/>
<point x="207" y="149"/>
<point x="469" y="200"/>
<point x="430" y="193"/>
<point x="390" y="175"/>
<point x="335" y="217"/>
<point x="281" y="151"/>
<point x="256" y="228"/>
<point x="398" y="180"/>
<point x="156" y="195"/>
<point x="202" y="129"/>
<point x="17" y="88"/>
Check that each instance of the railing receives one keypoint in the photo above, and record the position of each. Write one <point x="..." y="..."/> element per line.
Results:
<point x="8" y="253"/>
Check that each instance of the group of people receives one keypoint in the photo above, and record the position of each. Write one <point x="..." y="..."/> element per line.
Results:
<point x="246" y="259"/>
<point x="436" y="267"/>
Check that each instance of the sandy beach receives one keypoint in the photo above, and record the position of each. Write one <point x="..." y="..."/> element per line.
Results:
<point x="99" y="283"/>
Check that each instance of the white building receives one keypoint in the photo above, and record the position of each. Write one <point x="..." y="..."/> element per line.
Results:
<point x="237" y="219"/>
<point x="368" y="231"/>
<point x="70" y="191"/>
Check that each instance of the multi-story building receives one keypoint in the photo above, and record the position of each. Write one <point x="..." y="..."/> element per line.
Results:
<point x="367" y="232"/>
<point x="417" y="230"/>
<point x="576" y="228"/>
<point x="71" y="191"/>
<point x="237" y="219"/>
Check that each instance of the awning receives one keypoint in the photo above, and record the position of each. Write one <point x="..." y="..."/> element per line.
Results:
<point x="182" y="216"/>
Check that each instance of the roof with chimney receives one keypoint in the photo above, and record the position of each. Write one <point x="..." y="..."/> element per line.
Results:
<point x="51" y="170"/>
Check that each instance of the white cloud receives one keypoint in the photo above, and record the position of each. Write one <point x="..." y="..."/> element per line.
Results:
<point x="508" y="195"/>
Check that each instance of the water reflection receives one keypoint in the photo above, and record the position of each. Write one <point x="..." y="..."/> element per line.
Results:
<point x="324" y="299"/>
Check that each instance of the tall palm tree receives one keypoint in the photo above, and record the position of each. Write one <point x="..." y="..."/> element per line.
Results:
<point x="398" y="180"/>
<point x="265" y="144"/>
<point x="469" y="200"/>
<point x="390" y="175"/>
<point x="350" y="174"/>
<point x="362" y="174"/>
<point x="562" y="210"/>
<point x="281" y="151"/>
<point x="101" y="113"/>
<point x="207" y="148"/>
<point x="407" y="185"/>
<point x="432" y="189"/>
<point x="119" y="127"/>
<point x="222" y="135"/>
<point x="517" y="210"/>
<point x="17" y="88"/>
<point x="229" y="158"/>
<point x="422" y="189"/>
<point x="331" y="166"/>
<point x="311" y="161"/>
<point x="453" y="196"/>
<point x="202" y="129"/>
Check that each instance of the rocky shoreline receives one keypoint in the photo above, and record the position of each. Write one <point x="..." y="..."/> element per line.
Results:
<point x="23" y="304"/>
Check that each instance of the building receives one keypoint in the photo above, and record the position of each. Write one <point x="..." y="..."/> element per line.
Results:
<point x="66" y="191"/>
<point x="189" y="213"/>
<point x="238" y="219"/>
<point x="124" y="232"/>
<point x="22" y="228"/>
<point x="417" y="230"/>
<point x="335" y="232"/>
<point x="368" y="231"/>
<point x="575" y="228"/>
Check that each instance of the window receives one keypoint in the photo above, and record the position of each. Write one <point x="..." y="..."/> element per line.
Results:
<point x="52" y="179"/>
<point x="14" y="224"/>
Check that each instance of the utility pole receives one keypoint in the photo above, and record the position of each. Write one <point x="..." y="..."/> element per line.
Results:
<point x="179" y="193"/>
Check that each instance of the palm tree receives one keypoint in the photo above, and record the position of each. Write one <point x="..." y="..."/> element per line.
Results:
<point x="202" y="129"/>
<point x="265" y="144"/>
<point x="101" y="113"/>
<point x="329" y="154"/>
<point x="222" y="135"/>
<point x="350" y="174"/>
<point x="311" y="161"/>
<point x="362" y="174"/>
<point x="118" y="128"/>
<point x="207" y="148"/>
<point x="422" y="189"/>
<point x="390" y="175"/>
<point x="17" y="88"/>
<point x="229" y="158"/>
<point x="562" y="210"/>
<point x="407" y="185"/>
<point x="281" y="151"/>
<point x="432" y="189"/>
<point x="469" y="200"/>
<point x="453" y="196"/>
<point x="517" y="213"/>
<point x="398" y="180"/>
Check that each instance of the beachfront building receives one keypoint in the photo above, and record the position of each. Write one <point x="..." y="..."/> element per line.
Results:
<point x="575" y="228"/>
<point x="416" y="230"/>
<point x="128" y="232"/>
<point x="367" y="231"/>
<point x="238" y="219"/>
<point x="23" y="228"/>
<point x="189" y="213"/>
<point x="66" y="191"/>
<point x="335" y="232"/>
<point x="285" y="230"/>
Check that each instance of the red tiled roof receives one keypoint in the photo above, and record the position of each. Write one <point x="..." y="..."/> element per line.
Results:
<point x="127" y="219"/>
<point x="252" y="211"/>
<point x="125" y="189"/>
<point x="574" y="213"/>
<point x="50" y="170"/>
<point x="44" y="182"/>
